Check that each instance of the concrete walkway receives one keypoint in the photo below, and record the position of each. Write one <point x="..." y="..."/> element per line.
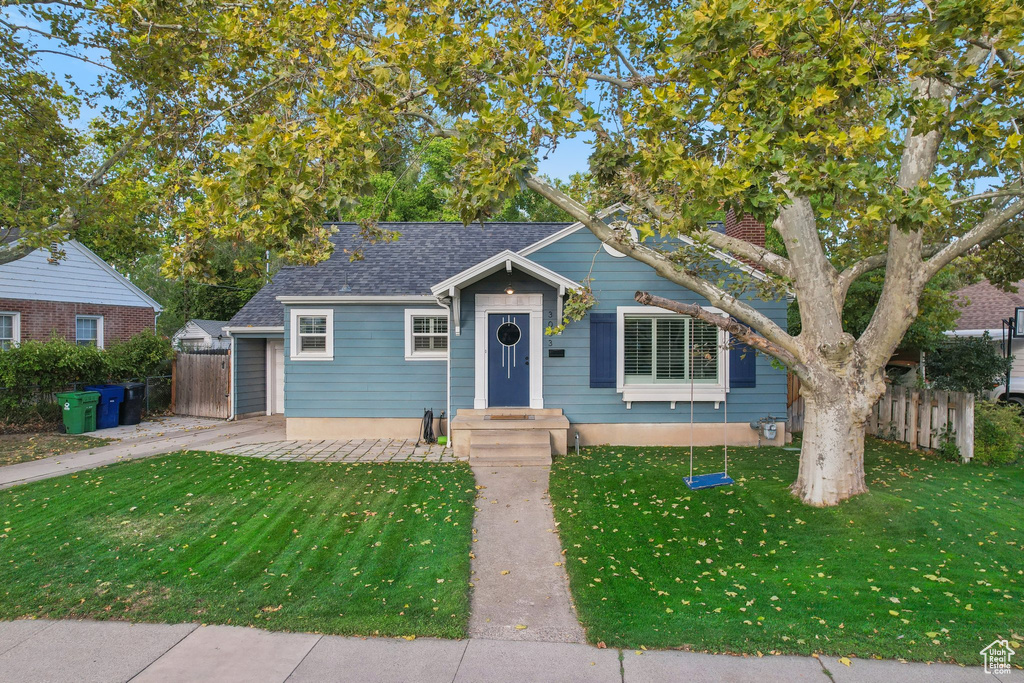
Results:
<point x="520" y="589"/>
<point x="147" y="441"/>
<point x="105" y="652"/>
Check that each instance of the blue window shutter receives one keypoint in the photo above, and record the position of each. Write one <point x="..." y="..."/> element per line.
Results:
<point x="602" y="350"/>
<point x="742" y="366"/>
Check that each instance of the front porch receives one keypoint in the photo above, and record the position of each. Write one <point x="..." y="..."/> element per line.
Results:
<point x="510" y="436"/>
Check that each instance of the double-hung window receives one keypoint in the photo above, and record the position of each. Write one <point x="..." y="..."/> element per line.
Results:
<point x="312" y="334"/>
<point x="10" y="330"/>
<point x="668" y="357"/>
<point x="426" y="334"/>
<point x="89" y="330"/>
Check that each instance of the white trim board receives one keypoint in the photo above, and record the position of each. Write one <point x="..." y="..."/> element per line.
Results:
<point x="671" y="393"/>
<point x="485" y="304"/>
<point x="508" y="260"/>
<point x="306" y="356"/>
<point x="99" y="328"/>
<point x="15" y="326"/>
<point x="412" y="355"/>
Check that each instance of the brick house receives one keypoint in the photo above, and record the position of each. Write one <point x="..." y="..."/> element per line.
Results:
<point x="78" y="297"/>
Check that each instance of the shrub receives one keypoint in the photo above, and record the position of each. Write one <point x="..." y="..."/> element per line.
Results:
<point x="143" y="355"/>
<point x="972" y="364"/>
<point x="998" y="433"/>
<point x="31" y="372"/>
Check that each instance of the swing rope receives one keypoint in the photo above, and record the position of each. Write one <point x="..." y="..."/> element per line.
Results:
<point x="691" y="419"/>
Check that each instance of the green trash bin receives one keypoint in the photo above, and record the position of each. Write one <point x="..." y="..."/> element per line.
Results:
<point x="79" y="410"/>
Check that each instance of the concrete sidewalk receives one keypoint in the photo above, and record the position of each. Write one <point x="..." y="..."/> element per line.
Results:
<point x="82" y="651"/>
<point x="148" y="442"/>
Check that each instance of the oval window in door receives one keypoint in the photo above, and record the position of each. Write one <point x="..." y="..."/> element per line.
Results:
<point x="509" y="334"/>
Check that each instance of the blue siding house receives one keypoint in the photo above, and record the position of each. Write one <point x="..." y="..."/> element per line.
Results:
<point x="453" y="318"/>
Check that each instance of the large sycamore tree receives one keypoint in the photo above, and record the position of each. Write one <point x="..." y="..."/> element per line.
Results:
<point x="872" y="136"/>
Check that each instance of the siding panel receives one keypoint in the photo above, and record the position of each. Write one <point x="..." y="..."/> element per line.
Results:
<point x="369" y="376"/>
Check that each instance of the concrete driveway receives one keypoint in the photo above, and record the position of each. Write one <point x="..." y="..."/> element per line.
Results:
<point x="150" y="438"/>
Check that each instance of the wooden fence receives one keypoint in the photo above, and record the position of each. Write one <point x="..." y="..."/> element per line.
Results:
<point x="916" y="417"/>
<point x="200" y="385"/>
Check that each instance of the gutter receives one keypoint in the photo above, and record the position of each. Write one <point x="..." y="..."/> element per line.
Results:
<point x="444" y="302"/>
<point x="350" y="299"/>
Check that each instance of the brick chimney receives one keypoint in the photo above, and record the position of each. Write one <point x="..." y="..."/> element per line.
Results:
<point x="745" y="228"/>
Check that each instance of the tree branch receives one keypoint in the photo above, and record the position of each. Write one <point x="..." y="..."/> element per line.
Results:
<point x="667" y="268"/>
<point x="763" y="258"/>
<point x="996" y="223"/>
<point x="738" y="330"/>
<point x="988" y="195"/>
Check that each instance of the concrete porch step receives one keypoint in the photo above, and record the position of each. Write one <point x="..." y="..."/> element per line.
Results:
<point x="509" y="447"/>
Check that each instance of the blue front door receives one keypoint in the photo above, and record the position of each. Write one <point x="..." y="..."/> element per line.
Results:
<point x="508" y="359"/>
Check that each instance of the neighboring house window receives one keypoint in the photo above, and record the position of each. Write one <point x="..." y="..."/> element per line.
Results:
<point x="10" y="330"/>
<point x="426" y="334"/>
<point x="312" y="334"/>
<point x="666" y="356"/>
<point x="89" y="330"/>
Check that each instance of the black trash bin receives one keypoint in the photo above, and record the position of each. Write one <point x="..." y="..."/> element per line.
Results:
<point x="134" y="400"/>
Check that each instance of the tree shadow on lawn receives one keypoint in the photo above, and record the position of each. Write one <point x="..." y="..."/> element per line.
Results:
<point x="927" y="566"/>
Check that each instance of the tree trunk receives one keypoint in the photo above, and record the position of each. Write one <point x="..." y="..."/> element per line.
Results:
<point x="832" y="454"/>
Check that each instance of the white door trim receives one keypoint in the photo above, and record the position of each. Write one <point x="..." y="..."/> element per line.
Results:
<point x="485" y="304"/>
<point x="273" y="378"/>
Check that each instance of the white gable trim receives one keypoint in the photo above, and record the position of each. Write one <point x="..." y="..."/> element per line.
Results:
<point x="576" y="227"/>
<point x="507" y="260"/>
<point x="88" y="253"/>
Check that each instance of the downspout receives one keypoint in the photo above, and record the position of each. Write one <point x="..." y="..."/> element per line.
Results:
<point x="444" y="303"/>
<point x="231" y="379"/>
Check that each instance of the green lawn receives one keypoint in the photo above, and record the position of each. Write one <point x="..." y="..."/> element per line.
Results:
<point x="335" y="548"/>
<point x="15" y="448"/>
<point x="927" y="566"/>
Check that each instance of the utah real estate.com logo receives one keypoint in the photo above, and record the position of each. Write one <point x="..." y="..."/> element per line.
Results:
<point x="997" y="657"/>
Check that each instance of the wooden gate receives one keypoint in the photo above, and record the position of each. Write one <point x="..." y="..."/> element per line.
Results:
<point x="200" y="385"/>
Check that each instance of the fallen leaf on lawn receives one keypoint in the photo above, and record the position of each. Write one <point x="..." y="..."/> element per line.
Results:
<point x="845" y="661"/>
<point x="409" y="637"/>
<point x="601" y="645"/>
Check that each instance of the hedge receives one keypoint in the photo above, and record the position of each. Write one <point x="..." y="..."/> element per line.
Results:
<point x="31" y="372"/>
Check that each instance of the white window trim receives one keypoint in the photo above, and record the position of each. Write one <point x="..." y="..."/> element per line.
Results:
<point x="667" y="392"/>
<point x="16" y="326"/>
<point x="410" y="352"/>
<point x="99" y="328"/>
<point x="509" y="303"/>
<point x="328" y="352"/>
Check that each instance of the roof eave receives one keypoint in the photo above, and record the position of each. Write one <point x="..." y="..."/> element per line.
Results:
<point x="506" y="259"/>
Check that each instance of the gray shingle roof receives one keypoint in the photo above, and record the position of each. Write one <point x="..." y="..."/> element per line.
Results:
<point x="424" y="254"/>
<point x="210" y="327"/>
